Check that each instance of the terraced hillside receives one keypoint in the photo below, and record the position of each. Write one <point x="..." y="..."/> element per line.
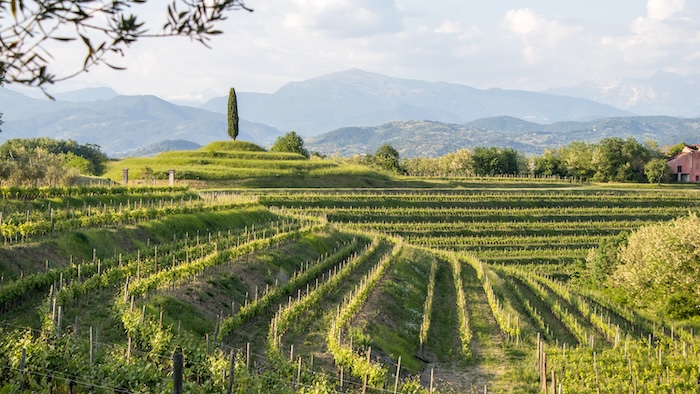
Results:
<point x="330" y="290"/>
<point x="243" y="164"/>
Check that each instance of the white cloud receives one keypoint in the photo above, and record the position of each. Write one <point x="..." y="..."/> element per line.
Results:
<point x="494" y="45"/>
<point x="522" y="21"/>
<point x="541" y="38"/>
<point x="449" y="27"/>
<point x="660" y="40"/>
<point x="345" y="18"/>
<point x="664" y="9"/>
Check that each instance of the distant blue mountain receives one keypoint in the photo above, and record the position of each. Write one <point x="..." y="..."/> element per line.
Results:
<point x="359" y="98"/>
<point x="432" y="139"/>
<point x="347" y="112"/>
<point x="119" y="124"/>
<point x="87" y="94"/>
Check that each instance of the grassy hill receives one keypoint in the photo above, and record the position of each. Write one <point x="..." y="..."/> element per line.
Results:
<point x="243" y="164"/>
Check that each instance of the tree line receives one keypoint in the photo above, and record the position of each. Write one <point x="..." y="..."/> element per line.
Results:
<point x="48" y="162"/>
<point x="609" y="160"/>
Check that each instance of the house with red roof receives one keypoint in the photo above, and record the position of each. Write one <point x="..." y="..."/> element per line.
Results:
<point x="685" y="166"/>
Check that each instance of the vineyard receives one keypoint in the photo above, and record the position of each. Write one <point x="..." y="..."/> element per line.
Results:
<point x="455" y="289"/>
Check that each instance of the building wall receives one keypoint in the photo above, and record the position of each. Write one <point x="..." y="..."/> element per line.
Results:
<point x="689" y="163"/>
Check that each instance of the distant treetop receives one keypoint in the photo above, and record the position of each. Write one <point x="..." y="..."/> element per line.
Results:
<point x="290" y="142"/>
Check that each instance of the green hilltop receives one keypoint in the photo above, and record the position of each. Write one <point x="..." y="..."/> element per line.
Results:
<point x="244" y="164"/>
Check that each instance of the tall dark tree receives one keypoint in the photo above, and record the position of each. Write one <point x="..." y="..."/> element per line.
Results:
<point x="103" y="28"/>
<point x="232" y="114"/>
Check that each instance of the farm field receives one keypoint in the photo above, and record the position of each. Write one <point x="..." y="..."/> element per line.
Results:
<point x="466" y="286"/>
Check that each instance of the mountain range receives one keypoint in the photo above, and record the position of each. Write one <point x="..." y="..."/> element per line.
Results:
<point x="662" y="94"/>
<point x="119" y="124"/>
<point x="359" y="98"/>
<point x="431" y="139"/>
<point x="354" y="111"/>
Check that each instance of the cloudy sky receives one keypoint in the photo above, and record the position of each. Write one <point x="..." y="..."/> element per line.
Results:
<point x="513" y="44"/>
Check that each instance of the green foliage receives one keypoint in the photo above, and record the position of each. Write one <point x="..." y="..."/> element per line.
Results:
<point x="80" y="164"/>
<point x="603" y="260"/>
<point x="232" y="114"/>
<point x="657" y="170"/>
<point x="387" y="158"/>
<point x="618" y="160"/>
<point x="36" y="168"/>
<point x="21" y="147"/>
<point x="495" y="161"/>
<point x="682" y="305"/>
<point x="549" y="164"/>
<point x="676" y="149"/>
<point x="290" y="142"/>
<point x="458" y="163"/>
<point x="577" y="158"/>
<point x="146" y="173"/>
<point x="660" y="266"/>
<point x="609" y="160"/>
<point x="231" y="146"/>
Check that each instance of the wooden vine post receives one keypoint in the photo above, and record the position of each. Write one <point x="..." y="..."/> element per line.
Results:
<point x="178" y="362"/>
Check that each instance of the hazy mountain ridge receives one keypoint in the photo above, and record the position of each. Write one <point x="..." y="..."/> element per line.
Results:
<point x="120" y="124"/>
<point x="431" y="139"/>
<point x="159" y="147"/>
<point x="662" y="94"/>
<point x="359" y="98"/>
<point x="408" y="111"/>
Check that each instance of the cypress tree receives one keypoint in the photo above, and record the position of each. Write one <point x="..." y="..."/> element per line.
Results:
<point x="232" y="114"/>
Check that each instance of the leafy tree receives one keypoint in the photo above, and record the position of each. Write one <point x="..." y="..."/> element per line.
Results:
<point x="577" y="159"/>
<point x="609" y="160"/>
<point x="676" y="149"/>
<point x="602" y="261"/>
<point x="657" y="170"/>
<point x="290" y="142"/>
<point x="387" y="158"/>
<point x="495" y="161"/>
<point x="458" y="163"/>
<point x="549" y="164"/>
<point x="618" y="160"/>
<point x="147" y="173"/>
<point x="36" y="167"/>
<point x="81" y="164"/>
<point x="660" y="267"/>
<point x="12" y="148"/>
<point x="232" y="114"/>
<point x="102" y="27"/>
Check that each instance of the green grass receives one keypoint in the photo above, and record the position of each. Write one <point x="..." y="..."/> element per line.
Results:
<point x="108" y="242"/>
<point x="233" y="146"/>
<point x="400" y="303"/>
<point x="443" y="337"/>
<point x="176" y="311"/>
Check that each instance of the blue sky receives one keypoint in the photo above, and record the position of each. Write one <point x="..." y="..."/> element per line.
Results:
<point x="526" y="44"/>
